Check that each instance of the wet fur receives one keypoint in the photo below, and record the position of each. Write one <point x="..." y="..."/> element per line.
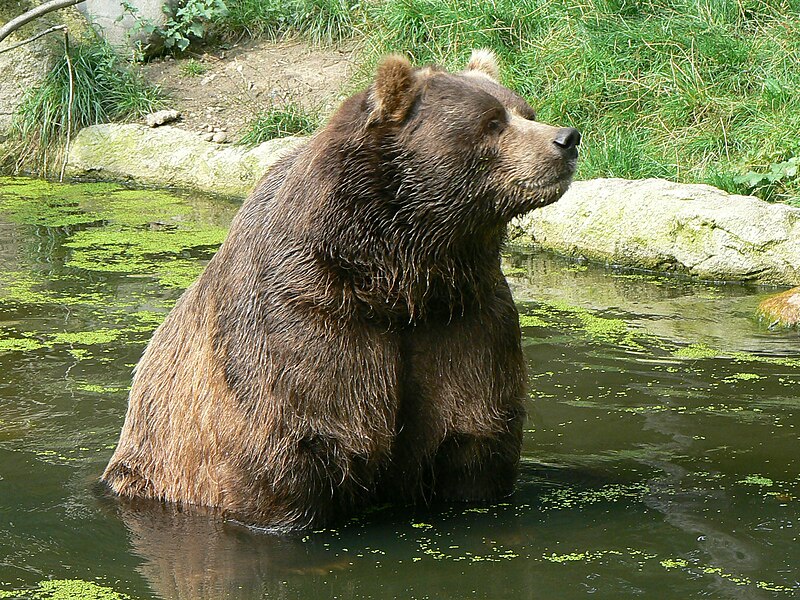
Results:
<point x="354" y="337"/>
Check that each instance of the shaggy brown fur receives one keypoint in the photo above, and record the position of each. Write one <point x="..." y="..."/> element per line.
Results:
<point x="354" y="337"/>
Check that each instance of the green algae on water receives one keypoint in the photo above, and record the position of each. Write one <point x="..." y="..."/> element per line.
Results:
<point x="137" y="251"/>
<point x="180" y="274"/>
<point x="66" y="589"/>
<point x="757" y="480"/>
<point x="587" y="556"/>
<point x="19" y="345"/>
<point x="101" y="389"/>
<point x="703" y="351"/>
<point x="532" y="321"/>
<point x="701" y="569"/>
<point x="696" y="352"/>
<point x="70" y="339"/>
<point x="737" y="377"/>
<point x="570" y="498"/>
<point x="113" y="229"/>
<point x="98" y="236"/>
<point x="599" y="329"/>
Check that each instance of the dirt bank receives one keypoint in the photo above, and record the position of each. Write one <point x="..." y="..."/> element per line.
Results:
<point x="226" y="87"/>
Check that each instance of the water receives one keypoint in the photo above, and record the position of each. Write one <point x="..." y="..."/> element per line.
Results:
<point x="660" y="457"/>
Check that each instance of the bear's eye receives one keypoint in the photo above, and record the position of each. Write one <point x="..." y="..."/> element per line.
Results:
<point x="495" y="126"/>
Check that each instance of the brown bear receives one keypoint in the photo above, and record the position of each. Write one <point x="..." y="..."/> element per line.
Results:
<point x="354" y="338"/>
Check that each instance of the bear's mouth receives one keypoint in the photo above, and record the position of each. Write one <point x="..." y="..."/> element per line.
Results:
<point x="541" y="185"/>
<point x="535" y="192"/>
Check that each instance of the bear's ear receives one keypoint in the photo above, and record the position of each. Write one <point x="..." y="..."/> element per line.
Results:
<point x="484" y="61"/>
<point x="394" y="90"/>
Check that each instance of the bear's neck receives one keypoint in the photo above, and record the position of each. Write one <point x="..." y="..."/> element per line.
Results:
<point x="398" y="255"/>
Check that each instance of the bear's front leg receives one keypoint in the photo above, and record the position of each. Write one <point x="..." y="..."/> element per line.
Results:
<point x="311" y="419"/>
<point x="463" y="403"/>
<point x="476" y="468"/>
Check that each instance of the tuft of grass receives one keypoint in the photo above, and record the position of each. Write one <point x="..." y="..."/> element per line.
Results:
<point x="322" y="21"/>
<point x="281" y="120"/>
<point x="105" y="88"/>
<point x="193" y="68"/>
<point x="703" y="91"/>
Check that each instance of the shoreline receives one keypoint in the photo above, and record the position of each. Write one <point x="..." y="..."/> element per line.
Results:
<point x="652" y="224"/>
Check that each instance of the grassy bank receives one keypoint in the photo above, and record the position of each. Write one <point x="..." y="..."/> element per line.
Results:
<point x="690" y="90"/>
<point x="102" y="87"/>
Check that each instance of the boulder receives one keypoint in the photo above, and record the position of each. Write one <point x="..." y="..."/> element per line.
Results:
<point x="782" y="309"/>
<point x="24" y="67"/>
<point x="167" y="156"/>
<point x="658" y="225"/>
<point x="124" y="28"/>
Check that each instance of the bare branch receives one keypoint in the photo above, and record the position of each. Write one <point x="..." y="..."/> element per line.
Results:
<point x="69" y="106"/>
<point x="34" y="37"/>
<point x="34" y="13"/>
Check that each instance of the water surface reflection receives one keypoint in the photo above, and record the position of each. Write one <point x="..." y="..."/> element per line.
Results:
<point x="659" y="455"/>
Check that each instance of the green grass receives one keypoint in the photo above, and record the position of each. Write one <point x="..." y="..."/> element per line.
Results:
<point x="193" y="68"/>
<point x="691" y="90"/>
<point x="322" y="21"/>
<point x="105" y="88"/>
<point x="286" y="118"/>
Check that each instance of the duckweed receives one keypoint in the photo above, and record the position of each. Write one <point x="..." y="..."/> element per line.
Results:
<point x="696" y="352"/>
<point x="532" y="321"/>
<point x="758" y="480"/>
<point x="19" y="345"/>
<point x="66" y="589"/>
<point x="108" y="231"/>
<point x="566" y="498"/>
<point x="736" y="377"/>
<point x="598" y="329"/>
<point x="680" y="563"/>
<point x="580" y="556"/>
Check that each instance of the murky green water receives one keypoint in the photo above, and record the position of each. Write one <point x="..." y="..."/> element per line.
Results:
<point x="661" y="460"/>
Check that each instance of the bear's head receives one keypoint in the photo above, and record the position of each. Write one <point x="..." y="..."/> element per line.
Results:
<point x="467" y="141"/>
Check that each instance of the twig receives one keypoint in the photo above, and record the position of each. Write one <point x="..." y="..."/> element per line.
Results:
<point x="34" y="13"/>
<point x="33" y="38"/>
<point x="69" y="106"/>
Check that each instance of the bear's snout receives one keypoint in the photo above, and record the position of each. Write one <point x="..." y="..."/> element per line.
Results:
<point x="568" y="139"/>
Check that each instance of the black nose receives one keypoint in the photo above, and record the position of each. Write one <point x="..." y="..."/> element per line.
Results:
<point x="568" y="139"/>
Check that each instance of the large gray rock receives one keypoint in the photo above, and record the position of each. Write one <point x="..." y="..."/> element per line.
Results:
<point x="24" y="67"/>
<point x="123" y="28"/>
<point x="170" y="156"/>
<point x="20" y="70"/>
<point x="656" y="224"/>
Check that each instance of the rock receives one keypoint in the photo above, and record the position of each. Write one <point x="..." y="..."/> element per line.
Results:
<point x="220" y="137"/>
<point x="24" y="68"/>
<point x="123" y="29"/>
<point x="209" y="137"/>
<point x="655" y="224"/>
<point x="161" y="117"/>
<point x="170" y="156"/>
<point x="782" y="309"/>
